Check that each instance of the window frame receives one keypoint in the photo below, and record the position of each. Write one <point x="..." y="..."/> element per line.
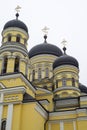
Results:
<point x="16" y="64"/>
<point x="5" y="63"/>
<point x="3" y="125"/>
<point x="64" y="81"/>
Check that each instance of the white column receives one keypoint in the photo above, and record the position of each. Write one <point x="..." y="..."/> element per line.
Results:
<point x="49" y="126"/>
<point x="61" y="125"/>
<point x="74" y="125"/>
<point x="9" y="117"/>
<point x="1" y="109"/>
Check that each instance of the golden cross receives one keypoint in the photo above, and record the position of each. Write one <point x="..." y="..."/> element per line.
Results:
<point x="18" y="8"/>
<point x="64" y="42"/>
<point x="45" y="30"/>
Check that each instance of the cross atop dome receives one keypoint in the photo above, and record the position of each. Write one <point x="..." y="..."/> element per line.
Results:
<point x="45" y="31"/>
<point x="64" y="42"/>
<point x="17" y="10"/>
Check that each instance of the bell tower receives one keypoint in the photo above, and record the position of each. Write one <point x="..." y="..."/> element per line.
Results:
<point x="14" y="53"/>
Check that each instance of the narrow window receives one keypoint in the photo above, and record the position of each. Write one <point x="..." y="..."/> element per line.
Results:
<point x="56" y="83"/>
<point x="18" y="39"/>
<point x="47" y="72"/>
<point x="52" y="88"/>
<point x="16" y="66"/>
<point x="33" y="75"/>
<point x="9" y="38"/>
<point x="39" y="73"/>
<point x="64" y="82"/>
<point x="4" y="69"/>
<point x="3" y="125"/>
<point x="73" y="82"/>
<point x="25" y="41"/>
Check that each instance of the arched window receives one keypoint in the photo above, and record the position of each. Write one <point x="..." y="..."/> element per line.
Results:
<point x="9" y="38"/>
<point x="3" y="125"/>
<point x="18" y="39"/>
<point x="47" y="72"/>
<point x="64" y="82"/>
<point x="39" y="73"/>
<point x="73" y="82"/>
<point x="33" y="75"/>
<point x="16" y="66"/>
<point x="5" y="61"/>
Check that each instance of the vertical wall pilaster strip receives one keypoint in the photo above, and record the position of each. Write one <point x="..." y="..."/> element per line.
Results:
<point x="61" y="125"/>
<point x="49" y="126"/>
<point x="1" y="109"/>
<point x="9" y="117"/>
<point x="74" y="125"/>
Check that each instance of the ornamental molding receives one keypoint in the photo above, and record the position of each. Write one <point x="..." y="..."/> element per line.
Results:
<point x="15" y="29"/>
<point x="68" y="67"/>
<point x="82" y="118"/>
<point x="66" y="88"/>
<point x="64" y="120"/>
<point x="61" y="113"/>
<point x="44" y="102"/>
<point x="13" y="48"/>
<point x="42" y="111"/>
<point x="12" y="102"/>
<point x="66" y="113"/>
<point x="78" y="111"/>
<point x="83" y="98"/>
<point x="13" y="90"/>
<point x="44" y="90"/>
<point x="43" y="58"/>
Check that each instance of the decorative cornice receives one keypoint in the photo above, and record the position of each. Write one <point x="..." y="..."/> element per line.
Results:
<point x="43" y="57"/>
<point x="78" y="111"/>
<point x="44" y="90"/>
<point x="64" y="113"/>
<point x="13" y="48"/>
<point x="13" y="90"/>
<point x="67" y="66"/>
<point x="15" y="29"/>
<point x="42" y="111"/>
<point x="82" y="119"/>
<point x="83" y="98"/>
<point x="44" y="102"/>
<point x="12" y="102"/>
<point x="67" y="88"/>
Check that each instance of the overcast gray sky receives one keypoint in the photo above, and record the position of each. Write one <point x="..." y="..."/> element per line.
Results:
<point x="65" y="18"/>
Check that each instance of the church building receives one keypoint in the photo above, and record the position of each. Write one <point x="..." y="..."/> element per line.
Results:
<point x="39" y="88"/>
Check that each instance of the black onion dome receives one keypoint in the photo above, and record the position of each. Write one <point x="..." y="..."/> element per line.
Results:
<point x="83" y="88"/>
<point x="65" y="60"/>
<point x="45" y="48"/>
<point x="16" y="23"/>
